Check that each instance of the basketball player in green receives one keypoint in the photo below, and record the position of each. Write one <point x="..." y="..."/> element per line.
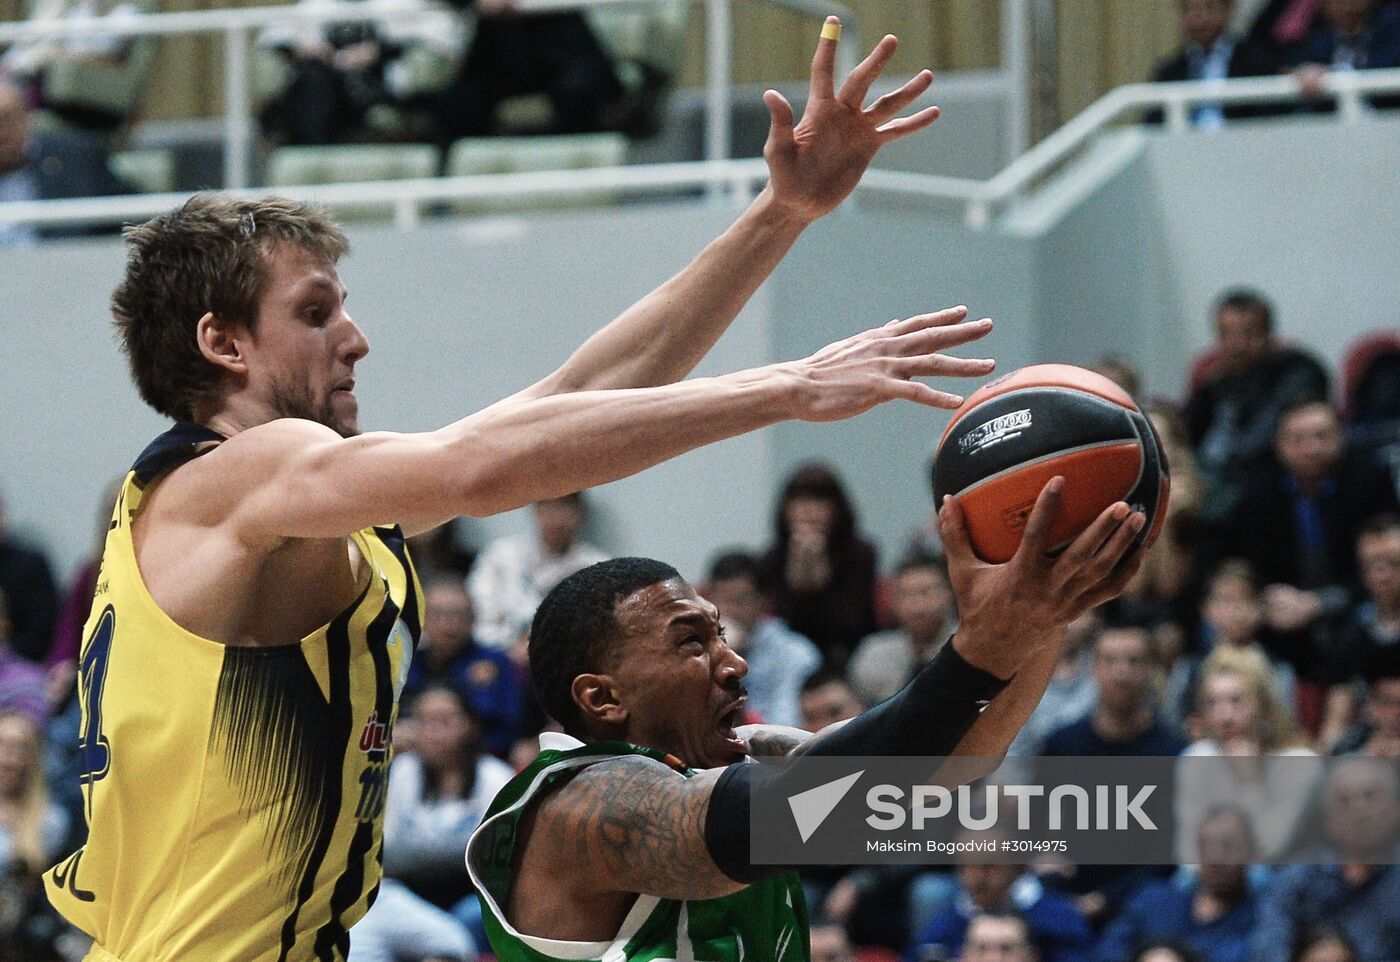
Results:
<point x="627" y="839"/>
<point x="258" y="611"/>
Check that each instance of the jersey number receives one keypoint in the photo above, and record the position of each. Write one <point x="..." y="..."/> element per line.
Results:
<point x="94" y="754"/>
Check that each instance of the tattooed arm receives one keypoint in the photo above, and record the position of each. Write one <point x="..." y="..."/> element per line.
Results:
<point x="634" y="825"/>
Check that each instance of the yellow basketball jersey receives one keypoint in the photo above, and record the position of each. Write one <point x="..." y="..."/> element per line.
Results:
<point x="234" y="796"/>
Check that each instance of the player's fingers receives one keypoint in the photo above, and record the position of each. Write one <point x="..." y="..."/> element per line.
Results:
<point x="905" y="126"/>
<point x="893" y="102"/>
<point x="780" y="119"/>
<point x="931" y="339"/>
<point x="1086" y="546"/>
<point x="949" y="315"/>
<point x="1115" y="585"/>
<point x="824" y="61"/>
<point x="921" y="393"/>
<point x="941" y="365"/>
<point x="1035" y="539"/>
<point x="957" y="547"/>
<point x="857" y="85"/>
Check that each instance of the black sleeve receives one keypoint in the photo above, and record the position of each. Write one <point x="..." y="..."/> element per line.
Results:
<point x="928" y="717"/>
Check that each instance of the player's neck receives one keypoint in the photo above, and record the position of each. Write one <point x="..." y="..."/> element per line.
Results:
<point x="232" y="415"/>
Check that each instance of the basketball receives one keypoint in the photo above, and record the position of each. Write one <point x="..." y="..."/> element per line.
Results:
<point x="1014" y="434"/>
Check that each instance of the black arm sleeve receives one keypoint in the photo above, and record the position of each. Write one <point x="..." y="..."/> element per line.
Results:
<point x="928" y="717"/>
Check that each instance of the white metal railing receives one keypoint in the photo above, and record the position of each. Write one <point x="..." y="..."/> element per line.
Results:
<point x="981" y="200"/>
<point x="237" y="27"/>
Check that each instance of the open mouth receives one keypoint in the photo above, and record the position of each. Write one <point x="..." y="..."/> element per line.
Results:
<point x="726" y="724"/>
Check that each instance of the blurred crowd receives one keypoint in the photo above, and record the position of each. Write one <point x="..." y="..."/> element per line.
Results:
<point x="1264" y="628"/>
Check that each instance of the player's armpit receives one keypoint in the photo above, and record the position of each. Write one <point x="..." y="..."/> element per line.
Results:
<point x="634" y="825"/>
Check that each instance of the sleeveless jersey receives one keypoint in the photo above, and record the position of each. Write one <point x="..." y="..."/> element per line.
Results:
<point x="234" y="796"/>
<point x="766" y="922"/>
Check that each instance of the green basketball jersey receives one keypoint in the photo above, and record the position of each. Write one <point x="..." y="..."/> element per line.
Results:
<point x="766" y="922"/>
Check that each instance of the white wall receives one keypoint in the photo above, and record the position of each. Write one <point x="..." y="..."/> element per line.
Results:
<point x="461" y="314"/>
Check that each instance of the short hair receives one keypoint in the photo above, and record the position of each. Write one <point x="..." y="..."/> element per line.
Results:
<point x="734" y="564"/>
<point x="208" y="256"/>
<point x="1305" y="400"/>
<point x="827" y="675"/>
<point x="575" y="626"/>
<point x="1250" y="300"/>
<point x="918" y="559"/>
<point x="1378" y="524"/>
<point x="1180" y="949"/>
<point x="1234" y="569"/>
<point x="1311" y="938"/>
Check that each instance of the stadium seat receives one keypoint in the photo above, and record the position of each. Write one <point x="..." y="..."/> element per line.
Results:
<point x="349" y="164"/>
<point x="509" y="155"/>
<point x="151" y="171"/>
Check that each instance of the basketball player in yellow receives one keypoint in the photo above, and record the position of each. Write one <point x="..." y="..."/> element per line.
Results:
<point x="256" y="611"/>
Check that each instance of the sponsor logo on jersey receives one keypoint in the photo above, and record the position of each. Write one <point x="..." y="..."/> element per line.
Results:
<point x="375" y="736"/>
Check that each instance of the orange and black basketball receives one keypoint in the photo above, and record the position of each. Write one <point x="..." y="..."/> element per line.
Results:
<point x="1016" y="433"/>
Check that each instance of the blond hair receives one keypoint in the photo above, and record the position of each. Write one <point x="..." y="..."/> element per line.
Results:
<point x="1277" y="729"/>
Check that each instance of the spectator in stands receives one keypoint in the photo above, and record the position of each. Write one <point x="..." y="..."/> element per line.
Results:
<point x="1298" y="526"/>
<point x="1350" y="35"/>
<point x="1072" y="692"/>
<point x="1251" y="753"/>
<point x="339" y="72"/>
<point x="1125" y="719"/>
<point x="826" y="698"/>
<point x="402" y="926"/>
<point x="35" y="64"/>
<point x="780" y="659"/>
<point x="47" y="166"/>
<point x="1232" y="616"/>
<point x="820" y="573"/>
<point x="437" y="795"/>
<point x="513" y="574"/>
<point x="1053" y="924"/>
<point x="1378" y="732"/>
<point x="1120" y="372"/>
<point x="448" y="652"/>
<point x="26" y="579"/>
<point x="829" y="942"/>
<point x="1213" y="52"/>
<point x="442" y="551"/>
<point x="1367" y="645"/>
<point x="1241" y="389"/>
<point x="1167" y="588"/>
<point x="23" y="685"/>
<point x="1327" y="943"/>
<point x="555" y="54"/>
<point x="32" y="835"/>
<point x="924" y="619"/>
<point x="1357" y="886"/>
<point x="1167" y="950"/>
<point x="1213" y="913"/>
<point x="998" y="937"/>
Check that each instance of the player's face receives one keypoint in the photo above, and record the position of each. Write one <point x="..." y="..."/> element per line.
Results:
<point x="303" y="352"/>
<point x="679" y="682"/>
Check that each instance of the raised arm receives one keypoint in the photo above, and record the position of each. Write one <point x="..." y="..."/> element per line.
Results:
<point x="814" y="165"/>
<point x="634" y="825"/>
<point x="300" y="480"/>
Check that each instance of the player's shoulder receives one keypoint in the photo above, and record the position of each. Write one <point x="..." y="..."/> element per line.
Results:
<point x="221" y="476"/>
<point x="610" y="784"/>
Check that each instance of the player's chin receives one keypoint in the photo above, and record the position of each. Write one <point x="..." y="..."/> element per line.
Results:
<point x="724" y="750"/>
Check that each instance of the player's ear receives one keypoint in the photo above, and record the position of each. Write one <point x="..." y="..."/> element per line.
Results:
<point x="221" y="342"/>
<point x="597" y="698"/>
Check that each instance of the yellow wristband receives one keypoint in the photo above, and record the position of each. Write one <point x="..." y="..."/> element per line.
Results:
<point x="831" y="31"/>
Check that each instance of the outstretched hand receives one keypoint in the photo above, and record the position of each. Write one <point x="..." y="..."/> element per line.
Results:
<point x="1007" y="611"/>
<point x="851" y="376"/>
<point x="816" y="164"/>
